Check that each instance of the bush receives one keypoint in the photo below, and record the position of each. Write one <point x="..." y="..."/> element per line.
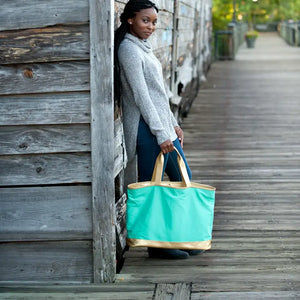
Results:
<point x="251" y="34"/>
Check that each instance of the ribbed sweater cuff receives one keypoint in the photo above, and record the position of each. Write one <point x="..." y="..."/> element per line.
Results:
<point x="162" y="137"/>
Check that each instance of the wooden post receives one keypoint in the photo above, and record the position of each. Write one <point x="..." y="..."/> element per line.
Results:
<point x="102" y="143"/>
<point x="174" y="48"/>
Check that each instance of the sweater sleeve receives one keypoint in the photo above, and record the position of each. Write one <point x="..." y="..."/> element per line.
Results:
<point x="174" y="122"/>
<point x="132" y="67"/>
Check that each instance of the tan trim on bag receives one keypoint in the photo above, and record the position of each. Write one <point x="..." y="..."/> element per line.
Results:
<point x="158" y="172"/>
<point x="170" y="184"/>
<point x="205" y="245"/>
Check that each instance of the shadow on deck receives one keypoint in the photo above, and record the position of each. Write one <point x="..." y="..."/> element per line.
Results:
<point x="242" y="136"/>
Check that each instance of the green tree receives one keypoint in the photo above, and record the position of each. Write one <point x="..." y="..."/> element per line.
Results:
<point x="260" y="11"/>
<point x="222" y="13"/>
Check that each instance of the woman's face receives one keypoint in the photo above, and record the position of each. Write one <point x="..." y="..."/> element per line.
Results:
<point x="142" y="25"/>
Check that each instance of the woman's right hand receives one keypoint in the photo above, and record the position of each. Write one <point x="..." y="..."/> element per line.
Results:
<point x="167" y="146"/>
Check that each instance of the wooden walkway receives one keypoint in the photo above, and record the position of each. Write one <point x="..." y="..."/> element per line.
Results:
<point x="243" y="137"/>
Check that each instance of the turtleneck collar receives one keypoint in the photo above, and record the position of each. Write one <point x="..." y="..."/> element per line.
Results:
<point x="144" y="44"/>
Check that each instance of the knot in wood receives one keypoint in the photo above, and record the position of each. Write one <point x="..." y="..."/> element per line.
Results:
<point x="23" y="146"/>
<point x="28" y="73"/>
<point x="38" y="169"/>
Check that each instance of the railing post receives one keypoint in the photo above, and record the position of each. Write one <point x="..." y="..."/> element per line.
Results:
<point x="232" y="40"/>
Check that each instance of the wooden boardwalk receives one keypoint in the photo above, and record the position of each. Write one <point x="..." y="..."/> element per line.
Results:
<point x="243" y="137"/>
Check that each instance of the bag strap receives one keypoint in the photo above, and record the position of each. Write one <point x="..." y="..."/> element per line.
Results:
<point x="159" y="165"/>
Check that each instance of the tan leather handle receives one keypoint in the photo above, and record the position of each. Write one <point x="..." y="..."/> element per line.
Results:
<point x="159" y="165"/>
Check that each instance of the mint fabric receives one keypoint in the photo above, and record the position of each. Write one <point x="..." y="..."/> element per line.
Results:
<point x="168" y="214"/>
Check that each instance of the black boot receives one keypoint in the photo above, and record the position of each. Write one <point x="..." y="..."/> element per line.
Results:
<point x="193" y="252"/>
<point x="167" y="253"/>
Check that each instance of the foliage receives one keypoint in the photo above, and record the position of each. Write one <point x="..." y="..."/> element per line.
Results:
<point x="253" y="34"/>
<point x="261" y="11"/>
<point x="222" y="13"/>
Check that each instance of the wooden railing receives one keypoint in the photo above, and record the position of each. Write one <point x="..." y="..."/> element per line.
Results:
<point x="290" y="32"/>
<point x="227" y="42"/>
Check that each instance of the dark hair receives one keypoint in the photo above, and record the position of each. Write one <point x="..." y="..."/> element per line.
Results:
<point x="130" y="9"/>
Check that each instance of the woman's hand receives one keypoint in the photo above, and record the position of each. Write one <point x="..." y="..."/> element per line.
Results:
<point x="179" y="133"/>
<point x="167" y="146"/>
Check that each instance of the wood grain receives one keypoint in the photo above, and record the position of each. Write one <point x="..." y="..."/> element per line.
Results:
<point x="44" y="78"/>
<point x="45" y="213"/>
<point x="54" y="108"/>
<point x="44" y="139"/>
<point x="44" y="169"/>
<point x="102" y="112"/>
<point x="57" y="43"/>
<point x="17" y="14"/>
<point x="46" y="261"/>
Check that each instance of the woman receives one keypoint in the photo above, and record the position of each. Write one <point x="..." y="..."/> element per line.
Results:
<point x="149" y="125"/>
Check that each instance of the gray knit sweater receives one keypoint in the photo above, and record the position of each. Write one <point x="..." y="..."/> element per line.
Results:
<point x="143" y="93"/>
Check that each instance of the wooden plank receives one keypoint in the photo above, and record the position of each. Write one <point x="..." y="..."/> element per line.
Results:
<point x="51" y="262"/>
<point x="46" y="77"/>
<point x="44" y="139"/>
<point x="223" y="280"/>
<point x="223" y="260"/>
<point x="102" y="130"/>
<point x="185" y="10"/>
<point x="119" y="147"/>
<point x="54" y="108"/>
<point x="267" y="281"/>
<point x="172" y="291"/>
<point x="57" y="43"/>
<point x="35" y="13"/>
<point x="164" y="5"/>
<point x="251" y="185"/>
<point x="77" y="288"/>
<point x="121" y="221"/>
<point x="247" y="295"/>
<point x="80" y="296"/>
<point x="45" y="213"/>
<point x="121" y="232"/>
<point x="78" y="291"/>
<point x="164" y="22"/>
<point x="164" y="56"/>
<point x="45" y="169"/>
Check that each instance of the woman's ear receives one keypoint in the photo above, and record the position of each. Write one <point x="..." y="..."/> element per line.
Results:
<point x="130" y="21"/>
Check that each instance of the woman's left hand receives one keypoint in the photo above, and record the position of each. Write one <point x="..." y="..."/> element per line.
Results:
<point x="179" y="133"/>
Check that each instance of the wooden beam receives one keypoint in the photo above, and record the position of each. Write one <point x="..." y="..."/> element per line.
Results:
<point x="45" y="213"/>
<point x="15" y="14"/>
<point x="44" y="78"/>
<point x="55" y="43"/>
<point x="172" y="291"/>
<point x="53" y="261"/>
<point x="50" y="108"/>
<point x="102" y="142"/>
<point x="36" y="169"/>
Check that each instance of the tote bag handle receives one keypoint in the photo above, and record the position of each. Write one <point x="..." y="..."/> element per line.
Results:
<point x="159" y="165"/>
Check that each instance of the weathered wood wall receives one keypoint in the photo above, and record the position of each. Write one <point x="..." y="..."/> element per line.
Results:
<point x="182" y="42"/>
<point x="56" y="112"/>
<point x="51" y="116"/>
<point x="192" y="52"/>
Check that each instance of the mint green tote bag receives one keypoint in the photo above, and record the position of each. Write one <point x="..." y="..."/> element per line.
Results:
<point x="165" y="214"/>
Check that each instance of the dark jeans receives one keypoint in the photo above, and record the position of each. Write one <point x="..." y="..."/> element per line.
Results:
<point x="147" y="152"/>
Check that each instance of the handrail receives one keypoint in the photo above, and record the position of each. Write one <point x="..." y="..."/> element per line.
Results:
<point x="227" y="42"/>
<point x="290" y="32"/>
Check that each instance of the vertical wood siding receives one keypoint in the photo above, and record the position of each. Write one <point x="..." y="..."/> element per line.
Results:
<point x="102" y="133"/>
